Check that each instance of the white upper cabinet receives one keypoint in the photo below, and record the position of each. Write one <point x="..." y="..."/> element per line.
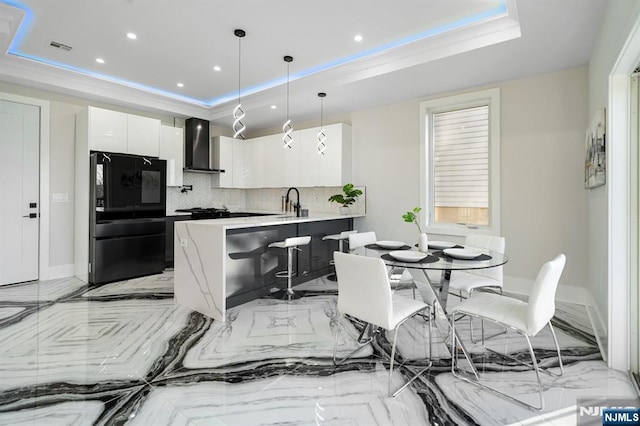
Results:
<point x="309" y="159"/>
<point x="334" y="167"/>
<point x="274" y="153"/>
<point x="291" y="167"/>
<point x="255" y="163"/>
<point x="143" y="135"/>
<point x="265" y="162"/>
<point x="115" y="131"/>
<point x="172" y="150"/>
<point x="239" y="167"/>
<point x="222" y="158"/>
<point x="107" y="130"/>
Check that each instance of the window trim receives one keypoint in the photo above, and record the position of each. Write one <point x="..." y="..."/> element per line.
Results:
<point x="428" y="107"/>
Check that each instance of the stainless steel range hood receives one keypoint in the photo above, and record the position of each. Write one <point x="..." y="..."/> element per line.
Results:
<point x="197" y="147"/>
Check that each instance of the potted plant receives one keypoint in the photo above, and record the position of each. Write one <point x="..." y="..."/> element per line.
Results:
<point x="348" y="197"/>
<point x="412" y="216"/>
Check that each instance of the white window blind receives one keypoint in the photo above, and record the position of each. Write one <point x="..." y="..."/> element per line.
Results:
<point x="461" y="157"/>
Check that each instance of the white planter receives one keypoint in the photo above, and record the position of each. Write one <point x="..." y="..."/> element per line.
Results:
<point x="344" y="210"/>
<point x="423" y="242"/>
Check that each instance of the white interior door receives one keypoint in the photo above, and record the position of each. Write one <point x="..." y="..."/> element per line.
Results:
<point x="19" y="192"/>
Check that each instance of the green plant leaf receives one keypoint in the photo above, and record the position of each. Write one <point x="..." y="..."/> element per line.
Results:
<point x="349" y="196"/>
<point x="412" y="216"/>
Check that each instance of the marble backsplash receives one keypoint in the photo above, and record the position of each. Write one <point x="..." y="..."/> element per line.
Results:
<point x="264" y="199"/>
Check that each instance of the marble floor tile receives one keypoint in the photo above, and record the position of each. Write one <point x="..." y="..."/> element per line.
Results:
<point x="126" y="353"/>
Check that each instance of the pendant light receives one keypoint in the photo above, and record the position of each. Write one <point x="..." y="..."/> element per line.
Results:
<point x="238" y="112"/>
<point x="287" y="140"/>
<point x="321" y="135"/>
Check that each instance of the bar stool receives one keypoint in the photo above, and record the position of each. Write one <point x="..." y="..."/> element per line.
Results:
<point x="341" y="237"/>
<point x="290" y="244"/>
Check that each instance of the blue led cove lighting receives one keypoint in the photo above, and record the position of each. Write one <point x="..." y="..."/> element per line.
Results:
<point x="14" y="49"/>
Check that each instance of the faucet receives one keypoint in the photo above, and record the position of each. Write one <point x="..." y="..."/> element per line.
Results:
<point x="297" y="204"/>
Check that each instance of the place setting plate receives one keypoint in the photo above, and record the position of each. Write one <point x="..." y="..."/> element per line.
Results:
<point x="465" y="253"/>
<point x="441" y="245"/>
<point x="388" y="245"/>
<point x="409" y="256"/>
<point x="393" y="245"/>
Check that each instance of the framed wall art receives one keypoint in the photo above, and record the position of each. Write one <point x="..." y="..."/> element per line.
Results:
<point x="595" y="158"/>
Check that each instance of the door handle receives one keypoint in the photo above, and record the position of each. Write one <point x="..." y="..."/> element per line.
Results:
<point x="32" y="215"/>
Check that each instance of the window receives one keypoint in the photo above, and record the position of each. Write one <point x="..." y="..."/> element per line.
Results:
<point x="461" y="163"/>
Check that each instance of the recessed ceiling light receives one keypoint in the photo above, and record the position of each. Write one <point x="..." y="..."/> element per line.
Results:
<point x="273" y="107"/>
<point x="180" y="84"/>
<point x="132" y="36"/>
<point x="217" y="68"/>
<point x="358" y="37"/>
<point x="100" y="60"/>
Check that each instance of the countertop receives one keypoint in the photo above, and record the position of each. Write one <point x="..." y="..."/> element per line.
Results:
<point x="279" y="219"/>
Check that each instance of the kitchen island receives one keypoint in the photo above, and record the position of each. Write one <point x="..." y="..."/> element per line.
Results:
<point x="222" y="263"/>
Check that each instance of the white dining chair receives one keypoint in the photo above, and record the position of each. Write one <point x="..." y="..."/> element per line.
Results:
<point x="466" y="282"/>
<point x="364" y="292"/>
<point x="340" y="238"/>
<point x="357" y="243"/>
<point x="525" y="318"/>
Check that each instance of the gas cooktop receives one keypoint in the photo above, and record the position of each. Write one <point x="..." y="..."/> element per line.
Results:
<point x="206" y="213"/>
<point x="215" y="213"/>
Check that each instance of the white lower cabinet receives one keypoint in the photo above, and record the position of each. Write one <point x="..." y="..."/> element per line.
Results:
<point x="172" y="150"/>
<point x="265" y="162"/>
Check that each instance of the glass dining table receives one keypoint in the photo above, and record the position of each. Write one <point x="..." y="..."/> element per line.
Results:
<point x="436" y="294"/>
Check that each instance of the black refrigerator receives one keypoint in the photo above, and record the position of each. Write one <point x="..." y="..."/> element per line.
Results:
<point x="127" y="217"/>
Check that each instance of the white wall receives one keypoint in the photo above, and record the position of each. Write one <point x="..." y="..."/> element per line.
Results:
<point x="619" y="18"/>
<point x="61" y="179"/>
<point x="544" y="203"/>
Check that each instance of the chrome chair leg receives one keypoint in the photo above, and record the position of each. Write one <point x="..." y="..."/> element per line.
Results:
<point x="362" y="343"/>
<point x="482" y="325"/>
<point x="534" y="365"/>
<point x="555" y="340"/>
<point x="531" y="365"/>
<point x="393" y="354"/>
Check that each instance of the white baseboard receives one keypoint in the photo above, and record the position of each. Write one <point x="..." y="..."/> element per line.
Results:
<point x="59" y="271"/>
